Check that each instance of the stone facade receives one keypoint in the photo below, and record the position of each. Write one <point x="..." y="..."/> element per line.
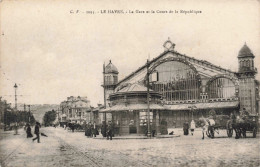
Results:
<point x="75" y="109"/>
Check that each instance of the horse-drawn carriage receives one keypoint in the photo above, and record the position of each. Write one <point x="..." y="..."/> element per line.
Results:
<point x="75" y="126"/>
<point x="240" y="124"/>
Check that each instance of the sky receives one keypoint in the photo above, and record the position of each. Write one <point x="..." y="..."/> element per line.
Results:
<point x="52" y="52"/>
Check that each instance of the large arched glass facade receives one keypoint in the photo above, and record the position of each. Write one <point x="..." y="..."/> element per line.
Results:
<point x="221" y="88"/>
<point x="176" y="81"/>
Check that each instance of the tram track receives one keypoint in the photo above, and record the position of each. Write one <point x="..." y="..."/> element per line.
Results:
<point x="99" y="158"/>
<point x="73" y="150"/>
<point x="4" y="161"/>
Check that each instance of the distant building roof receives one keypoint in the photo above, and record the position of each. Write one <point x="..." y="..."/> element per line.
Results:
<point x="110" y="68"/>
<point x="245" y="52"/>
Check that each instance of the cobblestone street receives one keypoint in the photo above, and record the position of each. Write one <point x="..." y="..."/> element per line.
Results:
<point x="63" y="148"/>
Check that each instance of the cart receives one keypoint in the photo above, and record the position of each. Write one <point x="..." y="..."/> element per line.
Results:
<point x="221" y="122"/>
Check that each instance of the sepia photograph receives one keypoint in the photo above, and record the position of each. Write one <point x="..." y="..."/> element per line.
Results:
<point x="117" y="83"/>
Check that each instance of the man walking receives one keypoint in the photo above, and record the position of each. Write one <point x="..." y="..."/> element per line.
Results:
<point x="109" y="131"/>
<point x="37" y="132"/>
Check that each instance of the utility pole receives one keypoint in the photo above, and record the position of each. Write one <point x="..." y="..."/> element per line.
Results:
<point x="105" y="102"/>
<point x="29" y="106"/>
<point x="148" y="102"/>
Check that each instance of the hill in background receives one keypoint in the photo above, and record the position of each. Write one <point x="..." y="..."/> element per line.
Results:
<point x="38" y="110"/>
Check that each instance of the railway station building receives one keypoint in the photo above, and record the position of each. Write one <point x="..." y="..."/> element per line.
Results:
<point x="181" y="88"/>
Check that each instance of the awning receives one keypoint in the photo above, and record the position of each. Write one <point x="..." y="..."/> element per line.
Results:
<point x="123" y="107"/>
<point x="212" y="105"/>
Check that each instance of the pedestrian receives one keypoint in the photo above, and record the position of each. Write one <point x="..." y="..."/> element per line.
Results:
<point x="72" y="127"/>
<point x="192" y="127"/>
<point x="16" y="128"/>
<point x="103" y="129"/>
<point x="186" y="128"/>
<point x="93" y="130"/>
<point x="89" y="129"/>
<point x="29" y="131"/>
<point x="86" y="129"/>
<point x="109" y="131"/>
<point x="37" y="132"/>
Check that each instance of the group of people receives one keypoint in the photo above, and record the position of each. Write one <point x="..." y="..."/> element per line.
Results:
<point x="36" y="132"/>
<point x="107" y="130"/>
<point x="91" y="130"/>
<point x="187" y="127"/>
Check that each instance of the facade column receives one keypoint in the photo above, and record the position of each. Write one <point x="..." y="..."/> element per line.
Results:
<point x="158" y="132"/>
<point x="137" y="122"/>
<point x="104" y="117"/>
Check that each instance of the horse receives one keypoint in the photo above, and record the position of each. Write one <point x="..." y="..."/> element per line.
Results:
<point x="206" y="125"/>
<point x="203" y="123"/>
<point x="241" y="125"/>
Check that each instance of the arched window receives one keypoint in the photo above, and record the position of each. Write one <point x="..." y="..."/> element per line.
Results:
<point x="176" y="81"/>
<point x="221" y="88"/>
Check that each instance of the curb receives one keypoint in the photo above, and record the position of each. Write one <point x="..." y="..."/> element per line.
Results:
<point x="130" y="138"/>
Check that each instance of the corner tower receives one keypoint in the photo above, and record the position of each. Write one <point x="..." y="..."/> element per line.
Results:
<point x="246" y="62"/>
<point x="110" y="80"/>
<point x="247" y="84"/>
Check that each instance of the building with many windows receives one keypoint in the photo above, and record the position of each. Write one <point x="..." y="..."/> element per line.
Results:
<point x="181" y="88"/>
<point x="75" y="109"/>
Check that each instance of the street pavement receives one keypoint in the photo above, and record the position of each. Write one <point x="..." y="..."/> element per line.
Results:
<point x="64" y="148"/>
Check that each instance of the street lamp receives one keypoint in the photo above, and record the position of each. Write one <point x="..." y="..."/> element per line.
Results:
<point x="16" y="114"/>
<point x="15" y="96"/>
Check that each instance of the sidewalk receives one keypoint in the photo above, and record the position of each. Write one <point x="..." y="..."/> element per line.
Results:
<point x="136" y="137"/>
<point x="177" y="133"/>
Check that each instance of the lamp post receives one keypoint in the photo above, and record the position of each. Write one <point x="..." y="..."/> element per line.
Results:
<point x="148" y="102"/>
<point x="16" y="114"/>
<point x="15" y="96"/>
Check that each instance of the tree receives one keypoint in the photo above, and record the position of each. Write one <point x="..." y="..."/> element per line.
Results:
<point x="49" y="118"/>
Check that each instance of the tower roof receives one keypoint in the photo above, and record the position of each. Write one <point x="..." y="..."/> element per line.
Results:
<point x="136" y="87"/>
<point x="245" y="52"/>
<point x="110" y="68"/>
